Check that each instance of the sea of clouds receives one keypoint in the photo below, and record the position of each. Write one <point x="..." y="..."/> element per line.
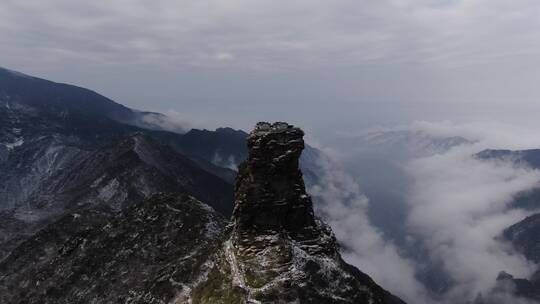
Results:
<point x="456" y="206"/>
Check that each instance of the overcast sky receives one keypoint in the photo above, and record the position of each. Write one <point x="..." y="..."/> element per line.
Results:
<point x="317" y="63"/>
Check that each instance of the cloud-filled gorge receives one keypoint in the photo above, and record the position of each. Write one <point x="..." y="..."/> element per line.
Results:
<point x="456" y="207"/>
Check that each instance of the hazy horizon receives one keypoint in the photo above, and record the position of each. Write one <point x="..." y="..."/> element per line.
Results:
<point x="342" y="65"/>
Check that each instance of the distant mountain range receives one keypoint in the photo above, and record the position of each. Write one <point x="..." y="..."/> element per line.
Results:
<point x="77" y="107"/>
<point x="410" y="143"/>
<point x="529" y="158"/>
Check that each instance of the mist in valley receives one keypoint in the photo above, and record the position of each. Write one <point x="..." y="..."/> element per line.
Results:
<point x="418" y="209"/>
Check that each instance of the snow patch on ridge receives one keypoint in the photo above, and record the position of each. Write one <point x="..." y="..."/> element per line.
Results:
<point x="17" y="143"/>
<point x="107" y="192"/>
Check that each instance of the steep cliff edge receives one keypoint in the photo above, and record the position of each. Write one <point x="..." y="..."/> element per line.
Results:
<point x="276" y="250"/>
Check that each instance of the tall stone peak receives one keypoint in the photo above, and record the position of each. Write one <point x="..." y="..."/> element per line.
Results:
<point x="270" y="193"/>
<point x="276" y="250"/>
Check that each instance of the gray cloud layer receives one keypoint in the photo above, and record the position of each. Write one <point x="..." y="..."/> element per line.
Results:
<point x="339" y="201"/>
<point x="269" y="34"/>
<point x="459" y="205"/>
<point x="302" y="61"/>
<point x="456" y="206"/>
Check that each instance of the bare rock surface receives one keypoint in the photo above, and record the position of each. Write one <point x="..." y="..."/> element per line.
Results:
<point x="277" y="251"/>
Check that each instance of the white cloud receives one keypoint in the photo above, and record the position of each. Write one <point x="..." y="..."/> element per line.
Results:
<point x="488" y="134"/>
<point x="339" y="201"/>
<point x="456" y="205"/>
<point x="459" y="205"/>
<point x="172" y="121"/>
<point x="224" y="56"/>
<point x="272" y="34"/>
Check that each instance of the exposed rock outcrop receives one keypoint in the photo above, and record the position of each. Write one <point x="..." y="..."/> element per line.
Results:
<point x="277" y="251"/>
<point x="270" y="193"/>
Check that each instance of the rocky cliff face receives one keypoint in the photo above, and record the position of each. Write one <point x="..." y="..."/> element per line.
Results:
<point x="270" y="192"/>
<point x="276" y="250"/>
<point x="525" y="237"/>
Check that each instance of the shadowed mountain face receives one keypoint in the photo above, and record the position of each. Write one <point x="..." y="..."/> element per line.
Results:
<point x="525" y="157"/>
<point x="224" y="147"/>
<point x="31" y="107"/>
<point x="50" y="173"/>
<point x="525" y="236"/>
<point x="63" y="148"/>
<point x="77" y="109"/>
<point x="219" y="152"/>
